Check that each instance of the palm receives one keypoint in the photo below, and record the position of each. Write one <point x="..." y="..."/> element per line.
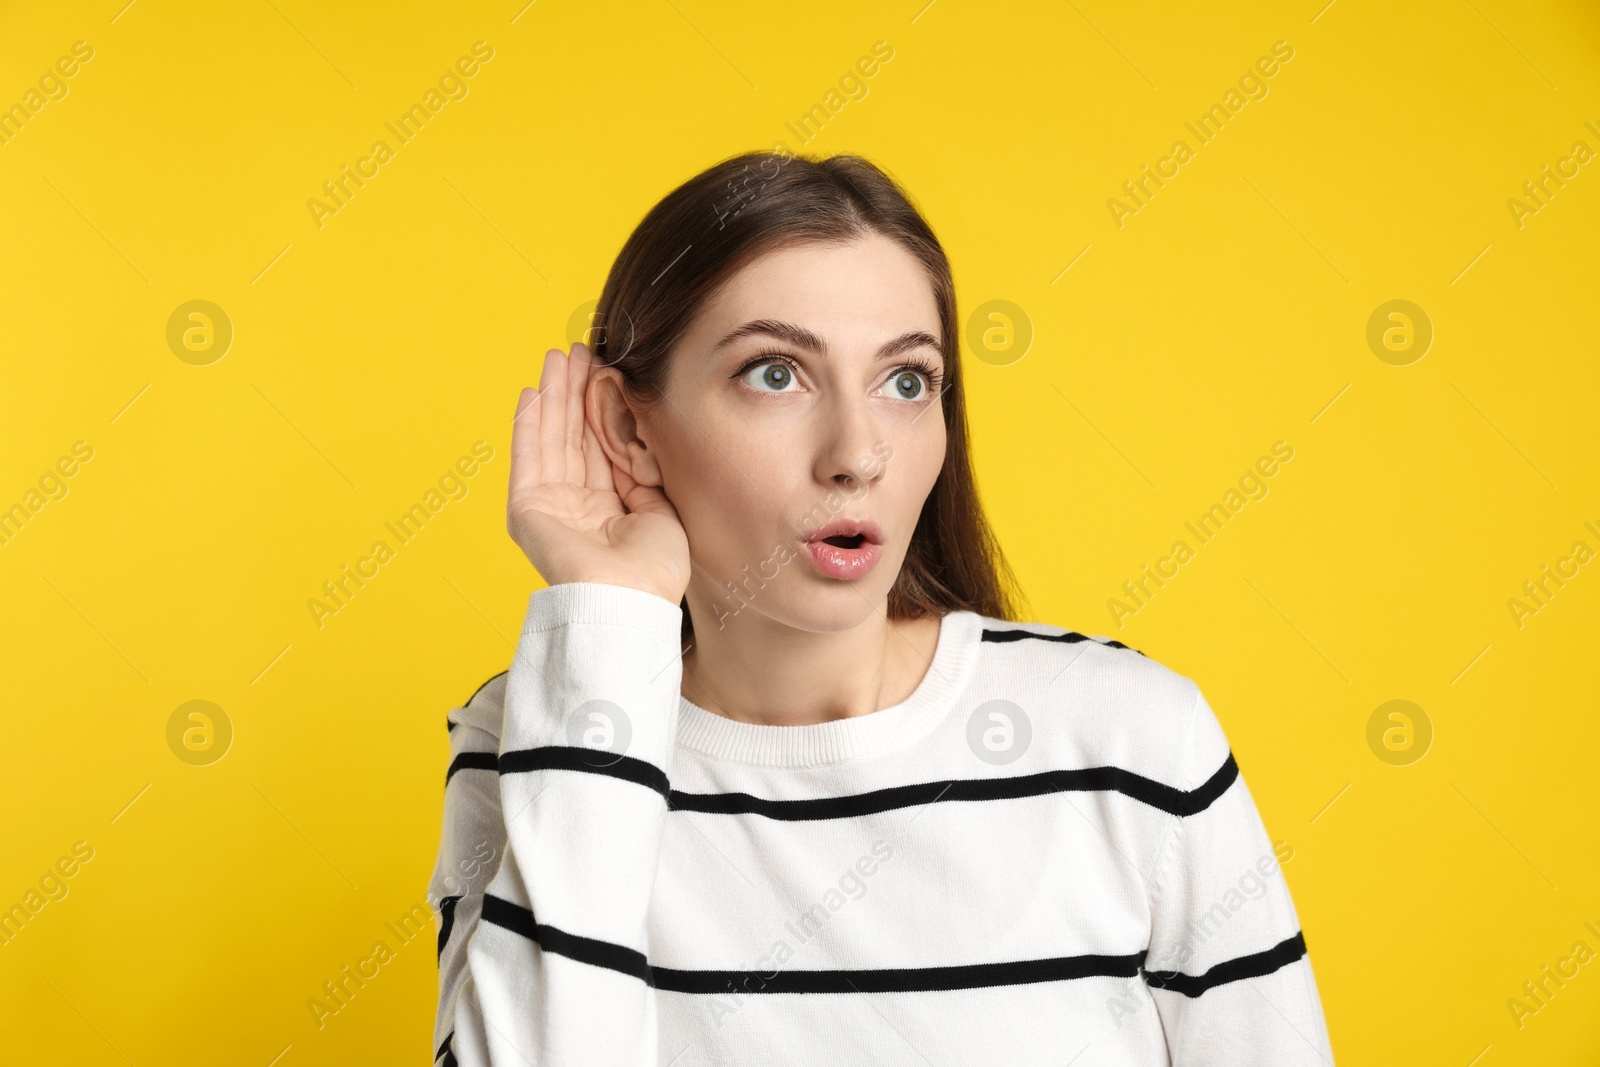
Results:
<point x="577" y="516"/>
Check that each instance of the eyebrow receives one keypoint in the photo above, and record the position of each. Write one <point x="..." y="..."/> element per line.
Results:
<point x="801" y="337"/>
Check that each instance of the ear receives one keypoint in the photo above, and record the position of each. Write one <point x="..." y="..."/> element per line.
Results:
<point x="615" y="424"/>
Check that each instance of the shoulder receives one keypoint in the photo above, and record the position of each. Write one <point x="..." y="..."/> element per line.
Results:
<point x="1092" y="700"/>
<point x="483" y="710"/>
<point x="1041" y="653"/>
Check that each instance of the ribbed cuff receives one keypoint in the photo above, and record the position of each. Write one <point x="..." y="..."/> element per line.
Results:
<point x="596" y="603"/>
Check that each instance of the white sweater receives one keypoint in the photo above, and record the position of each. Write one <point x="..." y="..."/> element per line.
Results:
<point x="1046" y="852"/>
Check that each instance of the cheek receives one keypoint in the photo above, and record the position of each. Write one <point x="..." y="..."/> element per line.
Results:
<point x="729" y="490"/>
<point x="915" y="456"/>
<point x="913" y="468"/>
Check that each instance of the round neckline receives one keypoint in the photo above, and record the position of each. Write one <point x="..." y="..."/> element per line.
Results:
<point x="841" y="740"/>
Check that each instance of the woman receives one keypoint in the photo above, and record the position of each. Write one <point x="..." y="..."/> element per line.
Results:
<point x="771" y="778"/>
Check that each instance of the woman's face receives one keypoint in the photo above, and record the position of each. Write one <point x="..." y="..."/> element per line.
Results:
<point x="801" y="431"/>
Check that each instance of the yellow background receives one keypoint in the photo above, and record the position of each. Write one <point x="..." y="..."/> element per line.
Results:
<point x="369" y="354"/>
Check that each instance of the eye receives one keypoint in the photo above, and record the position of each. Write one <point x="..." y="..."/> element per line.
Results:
<point x="770" y="377"/>
<point x="909" y="384"/>
<point x="914" y="381"/>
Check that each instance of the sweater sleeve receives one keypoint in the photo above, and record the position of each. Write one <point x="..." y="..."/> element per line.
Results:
<point x="548" y="963"/>
<point x="1227" y="963"/>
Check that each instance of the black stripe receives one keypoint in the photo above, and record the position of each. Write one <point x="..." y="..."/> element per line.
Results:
<point x="900" y="979"/>
<point x="595" y="761"/>
<point x="447" y="919"/>
<point x="1158" y="795"/>
<point x="876" y="980"/>
<point x="483" y="761"/>
<point x="1002" y="637"/>
<point x="446" y="1046"/>
<point x="1253" y="966"/>
<point x="1091" y="779"/>
<point x="519" y="920"/>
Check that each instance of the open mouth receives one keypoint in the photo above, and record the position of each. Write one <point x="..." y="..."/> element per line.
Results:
<point x="845" y="548"/>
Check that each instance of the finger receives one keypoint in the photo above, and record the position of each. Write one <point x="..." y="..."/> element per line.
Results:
<point x="577" y="385"/>
<point x="623" y="482"/>
<point x="553" y="419"/>
<point x="647" y="498"/>
<point x="525" y="441"/>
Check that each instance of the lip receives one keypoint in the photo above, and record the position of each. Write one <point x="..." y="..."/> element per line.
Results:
<point x="837" y="561"/>
<point x="870" y="531"/>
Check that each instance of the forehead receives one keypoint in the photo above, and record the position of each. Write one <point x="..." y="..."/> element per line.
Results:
<point x="862" y="289"/>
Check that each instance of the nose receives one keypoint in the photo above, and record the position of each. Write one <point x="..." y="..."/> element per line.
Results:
<point x="846" y="435"/>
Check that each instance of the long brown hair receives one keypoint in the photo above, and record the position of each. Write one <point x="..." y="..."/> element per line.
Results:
<point x="709" y="227"/>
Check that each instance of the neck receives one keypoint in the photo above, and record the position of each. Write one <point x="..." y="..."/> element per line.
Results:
<point x="759" y="670"/>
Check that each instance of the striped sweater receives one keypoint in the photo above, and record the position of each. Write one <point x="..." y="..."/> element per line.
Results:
<point x="1045" y="852"/>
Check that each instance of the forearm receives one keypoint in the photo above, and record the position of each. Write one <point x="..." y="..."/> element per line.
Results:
<point x="554" y="971"/>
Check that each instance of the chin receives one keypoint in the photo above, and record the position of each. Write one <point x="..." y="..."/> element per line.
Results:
<point x="824" y="609"/>
<point x="808" y="602"/>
